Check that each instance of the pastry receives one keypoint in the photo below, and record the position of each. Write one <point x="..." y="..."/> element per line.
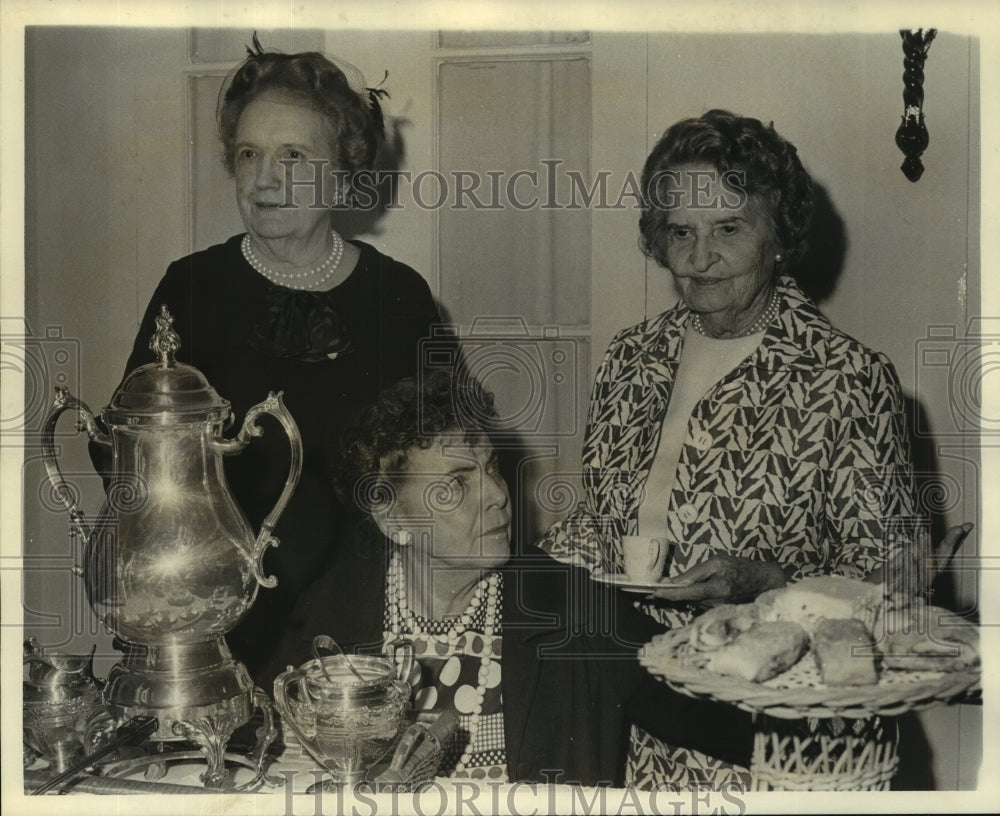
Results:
<point x="927" y="638"/>
<point x="823" y="596"/>
<point x="762" y="652"/>
<point x="721" y="625"/>
<point x="844" y="652"/>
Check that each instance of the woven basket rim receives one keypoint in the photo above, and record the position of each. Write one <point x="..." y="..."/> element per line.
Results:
<point x="897" y="691"/>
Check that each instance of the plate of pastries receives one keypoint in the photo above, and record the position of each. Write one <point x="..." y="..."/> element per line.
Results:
<point x="823" y="646"/>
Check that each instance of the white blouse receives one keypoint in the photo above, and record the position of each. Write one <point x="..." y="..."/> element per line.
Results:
<point x="704" y="361"/>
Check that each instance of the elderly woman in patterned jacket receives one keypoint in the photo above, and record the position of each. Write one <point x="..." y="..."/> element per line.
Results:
<point x="761" y="442"/>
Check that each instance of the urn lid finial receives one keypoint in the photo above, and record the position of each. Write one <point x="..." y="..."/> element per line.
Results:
<point x="165" y="392"/>
<point x="165" y="341"/>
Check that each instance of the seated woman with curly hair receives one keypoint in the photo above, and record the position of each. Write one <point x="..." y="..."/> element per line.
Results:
<point x="538" y="661"/>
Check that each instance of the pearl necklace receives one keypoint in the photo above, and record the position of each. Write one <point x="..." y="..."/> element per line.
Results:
<point x="293" y="280"/>
<point x="761" y="323"/>
<point x="402" y="622"/>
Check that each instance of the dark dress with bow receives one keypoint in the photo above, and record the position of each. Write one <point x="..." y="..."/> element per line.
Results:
<point x="330" y="353"/>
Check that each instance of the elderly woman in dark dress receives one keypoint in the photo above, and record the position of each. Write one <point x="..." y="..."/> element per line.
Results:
<point x="759" y="441"/>
<point x="290" y="305"/>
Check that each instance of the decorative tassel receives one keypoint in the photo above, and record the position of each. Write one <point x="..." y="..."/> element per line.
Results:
<point x="912" y="137"/>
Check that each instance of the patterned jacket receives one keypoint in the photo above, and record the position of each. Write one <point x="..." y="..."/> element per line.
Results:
<point x="800" y="454"/>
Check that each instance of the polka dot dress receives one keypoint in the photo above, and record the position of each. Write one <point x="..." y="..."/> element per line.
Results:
<point x="449" y="679"/>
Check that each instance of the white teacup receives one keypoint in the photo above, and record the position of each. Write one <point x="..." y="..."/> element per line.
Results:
<point x="644" y="558"/>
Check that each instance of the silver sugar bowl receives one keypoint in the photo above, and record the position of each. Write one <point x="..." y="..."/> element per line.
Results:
<point x="346" y="712"/>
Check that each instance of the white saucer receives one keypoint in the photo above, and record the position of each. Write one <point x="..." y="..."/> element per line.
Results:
<point x="622" y="581"/>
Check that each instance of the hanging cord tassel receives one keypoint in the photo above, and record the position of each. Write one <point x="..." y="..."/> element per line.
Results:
<point x="912" y="137"/>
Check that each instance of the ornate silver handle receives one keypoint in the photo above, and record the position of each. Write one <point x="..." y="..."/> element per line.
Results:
<point x="274" y="406"/>
<point x="401" y="651"/>
<point x="301" y="728"/>
<point x="64" y="401"/>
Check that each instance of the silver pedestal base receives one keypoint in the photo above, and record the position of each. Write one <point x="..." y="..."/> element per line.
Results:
<point x="197" y="692"/>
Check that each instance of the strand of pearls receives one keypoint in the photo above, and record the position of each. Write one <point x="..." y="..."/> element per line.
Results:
<point x="761" y="323"/>
<point x="402" y="621"/>
<point x="309" y="279"/>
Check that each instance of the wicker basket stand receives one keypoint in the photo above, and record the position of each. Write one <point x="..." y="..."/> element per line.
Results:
<point x="824" y="755"/>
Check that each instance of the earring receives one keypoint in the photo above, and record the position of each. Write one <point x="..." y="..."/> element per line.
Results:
<point x="779" y="258"/>
<point x="340" y="195"/>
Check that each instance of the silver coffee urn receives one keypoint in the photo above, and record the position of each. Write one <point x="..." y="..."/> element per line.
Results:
<point x="171" y="563"/>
